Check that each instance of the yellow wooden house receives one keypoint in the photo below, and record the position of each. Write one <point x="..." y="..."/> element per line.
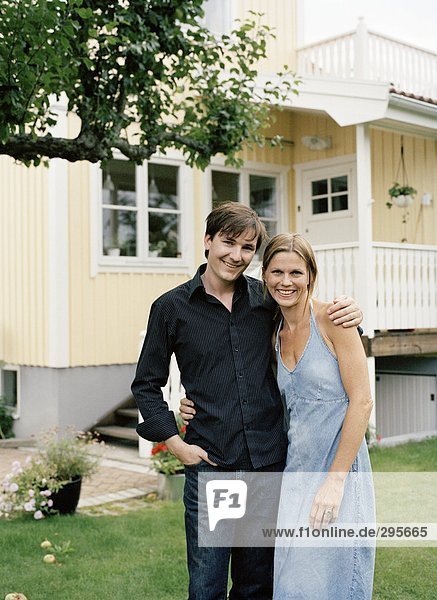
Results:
<point x="85" y="251"/>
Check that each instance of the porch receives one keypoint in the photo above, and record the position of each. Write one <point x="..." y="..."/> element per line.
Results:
<point x="401" y="292"/>
<point x="369" y="56"/>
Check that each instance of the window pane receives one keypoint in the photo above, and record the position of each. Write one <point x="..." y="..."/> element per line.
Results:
<point x="118" y="183"/>
<point x="339" y="202"/>
<point x="262" y="192"/>
<point x="163" y="186"/>
<point x="9" y="387"/>
<point x="225" y="187"/>
<point x="272" y="229"/>
<point x="339" y="184"/>
<point x="320" y="205"/>
<point x="319" y="187"/>
<point x="119" y="232"/>
<point x="164" y="235"/>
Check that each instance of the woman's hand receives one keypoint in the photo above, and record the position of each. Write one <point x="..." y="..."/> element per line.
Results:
<point x="327" y="501"/>
<point x="186" y="410"/>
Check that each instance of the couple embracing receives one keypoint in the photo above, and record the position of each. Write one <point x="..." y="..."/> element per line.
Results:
<point x="220" y="326"/>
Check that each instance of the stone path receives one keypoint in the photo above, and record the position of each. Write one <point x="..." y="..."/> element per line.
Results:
<point x="121" y="475"/>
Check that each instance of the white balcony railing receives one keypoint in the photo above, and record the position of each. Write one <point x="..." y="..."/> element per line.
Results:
<point x="366" y="55"/>
<point x="403" y="284"/>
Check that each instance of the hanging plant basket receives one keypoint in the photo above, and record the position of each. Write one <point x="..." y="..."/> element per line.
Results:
<point x="401" y="194"/>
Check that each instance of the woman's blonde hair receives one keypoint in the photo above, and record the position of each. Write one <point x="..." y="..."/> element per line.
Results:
<point x="293" y="242"/>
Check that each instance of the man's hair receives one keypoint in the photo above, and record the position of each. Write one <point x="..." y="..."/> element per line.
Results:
<point x="232" y="219"/>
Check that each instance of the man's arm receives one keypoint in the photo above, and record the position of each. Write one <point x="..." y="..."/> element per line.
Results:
<point x="345" y="311"/>
<point x="151" y="376"/>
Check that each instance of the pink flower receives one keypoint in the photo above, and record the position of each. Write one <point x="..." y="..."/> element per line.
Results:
<point x="38" y="515"/>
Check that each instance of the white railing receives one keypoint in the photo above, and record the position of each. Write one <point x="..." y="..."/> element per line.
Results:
<point x="336" y="270"/>
<point x="366" y="55"/>
<point x="403" y="284"/>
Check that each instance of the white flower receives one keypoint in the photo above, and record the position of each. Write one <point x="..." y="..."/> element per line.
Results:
<point x="38" y="515"/>
<point x="31" y="493"/>
<point x="29" y="506"/>
<point x="50" y="503"/>
<point x="46" y="493"/>
<point x="13" y="487"/>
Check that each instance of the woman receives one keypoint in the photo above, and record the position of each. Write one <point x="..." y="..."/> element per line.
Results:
<point x="322" y="375"/>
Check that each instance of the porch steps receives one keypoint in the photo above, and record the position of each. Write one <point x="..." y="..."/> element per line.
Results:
<point x="132" y="413"/>
<point x="120" y="424"/>
<point x="117" y="431"/>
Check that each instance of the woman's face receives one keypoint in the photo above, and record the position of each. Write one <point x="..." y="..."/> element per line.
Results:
<point x="287" y="279"/>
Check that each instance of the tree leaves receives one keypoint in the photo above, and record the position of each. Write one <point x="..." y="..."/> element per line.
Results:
<point x="122" y="63"/>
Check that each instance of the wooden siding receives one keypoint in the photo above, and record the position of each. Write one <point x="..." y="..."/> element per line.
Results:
<point x="312" y="124"/>
<point x="23" y="273"/>
<point x="421" y="164"/>
<point x="281" y="16"/>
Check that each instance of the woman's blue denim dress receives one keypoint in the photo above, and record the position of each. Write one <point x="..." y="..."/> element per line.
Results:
<point x="316" y="403"/>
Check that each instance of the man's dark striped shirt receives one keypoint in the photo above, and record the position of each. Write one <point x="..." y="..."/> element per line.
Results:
<point x="225" y="363"/>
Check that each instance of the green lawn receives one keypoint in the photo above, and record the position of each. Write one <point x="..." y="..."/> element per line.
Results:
<point x="141" y="554"/>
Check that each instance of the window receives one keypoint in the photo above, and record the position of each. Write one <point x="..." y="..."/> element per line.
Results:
<point x="164" y="211"/>
<point x="141" y="217"/>
<point x="120" y="210"/>
<point x="258" y="190"/>
<point x="9" y="388"/>
<point x="329" y="195"/>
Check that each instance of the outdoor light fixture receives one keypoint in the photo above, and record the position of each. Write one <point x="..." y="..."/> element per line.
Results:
<point x="316" y="142"/>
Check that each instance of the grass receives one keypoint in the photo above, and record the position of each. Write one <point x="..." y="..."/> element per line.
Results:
<point x="140" y="554"/>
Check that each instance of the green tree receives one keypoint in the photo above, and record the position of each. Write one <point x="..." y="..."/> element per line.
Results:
<point x="125" y="61"/>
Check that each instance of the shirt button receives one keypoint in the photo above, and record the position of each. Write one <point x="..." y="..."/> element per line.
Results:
<point x="240" y="376"/>
<point x="244" y="401"/>
<point x="236" y="349"/>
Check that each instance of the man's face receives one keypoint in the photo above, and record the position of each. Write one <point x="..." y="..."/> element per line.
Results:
<point x="229" y="256"/>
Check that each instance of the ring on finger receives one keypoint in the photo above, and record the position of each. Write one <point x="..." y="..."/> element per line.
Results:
<point x="328" y="515"/>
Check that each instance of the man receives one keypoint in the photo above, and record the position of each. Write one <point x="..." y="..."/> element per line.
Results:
<point x="219" y="325"/>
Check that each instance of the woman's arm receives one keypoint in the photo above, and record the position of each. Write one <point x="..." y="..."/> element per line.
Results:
<point x="348" y="348"/>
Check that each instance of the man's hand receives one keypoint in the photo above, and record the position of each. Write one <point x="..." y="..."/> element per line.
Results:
<point x="188" y="454"/>
<point x="186" y="410"/>
<point x="345" y="311"/>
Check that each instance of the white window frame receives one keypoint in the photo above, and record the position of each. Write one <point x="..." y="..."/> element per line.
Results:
<point x="325" y="169"/>
<point x="17" y="411"/>
<point x="278" y="172"/>
<point x="101" y="263"/>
